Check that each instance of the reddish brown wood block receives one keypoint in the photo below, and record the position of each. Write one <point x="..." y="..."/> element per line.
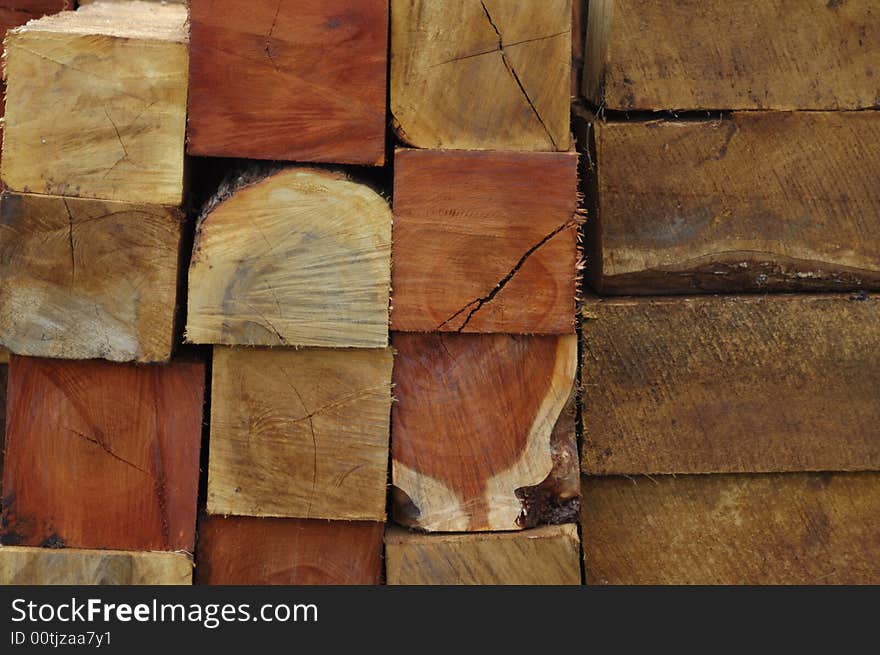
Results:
<point x="484" y="241"/>
<point x="270" y="551"/>
<point x="102" y="455"/>
<point x="303" y="81"/>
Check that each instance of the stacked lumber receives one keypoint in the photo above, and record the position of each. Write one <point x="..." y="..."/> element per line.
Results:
<point x="731" y="437"/>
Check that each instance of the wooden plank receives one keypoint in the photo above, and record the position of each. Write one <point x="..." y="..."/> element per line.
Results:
<point x="483" y="431"/>
<point x="23" y="565"/>
<point x="517" y="54"/>
<point x="542" y="556"/>
<point x="707" y="384"/>
<point x="113" y="464"/>
<point x="816" y="528"/>
<point x="299" y="258"/>
<point x="484" y="242"/>
<point x="300" y="433"/>
<point x="266" y="551"/>
<point x="783" y="54"/>
<point x="315" y="82"/>
<point x="757" y="201"/>
<point x="83" y="279"/>
<point x="96" y="104"/>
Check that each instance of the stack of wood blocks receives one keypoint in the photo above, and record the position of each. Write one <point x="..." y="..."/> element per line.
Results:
<point x="732" y="438"/>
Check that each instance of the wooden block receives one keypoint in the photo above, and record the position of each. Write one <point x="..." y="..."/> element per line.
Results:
<point x="300" y="433"/>
<point x="757" y="201"/>
<point x="543" y="556"/>
<point x="96" y="104"/>
<point x="299" y="258"/>
<point x="483" y="431"/>
<point x="302" y="81"/>
<point x="789" y="529"/>
<point x="84" y="279"/>
<point x="102" y="455"/>
<point x="261" y="551"/>
<point x="481" y="75"/>
<point x="22" y="565"/>
<point x="484" y="242"/>
<point x="708" y="384"/>
<point x="715" y="54"/>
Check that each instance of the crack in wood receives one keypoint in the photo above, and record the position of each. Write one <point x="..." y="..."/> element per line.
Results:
<point x="70" y="241"/>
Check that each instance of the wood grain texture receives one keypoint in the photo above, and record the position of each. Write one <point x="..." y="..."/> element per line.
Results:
<point x="481" y="75"/>
<point x="300" y="433"/>
<point x="769" y="201"/>
<point x="484" y="242"/>
<point x="83" y="279"/>
<point x="300" y="258"/>
<point x="4" y="377"/>
<point x="816" y="528"/>
<point x="266" y="551"/>
<point x="18" y="12"/>
<point x="707" y="384"/>
<point x="473" y="443"/>
<point x="302" y="81"/>
<point x="758" y="54"/>
<point x="96" y="104"/>
<point x="543" y="556"/>
<point x="102" y="455"/>
<point x="23" y="565"/>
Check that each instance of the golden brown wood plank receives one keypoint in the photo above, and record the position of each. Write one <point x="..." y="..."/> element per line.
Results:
<point x="23" y="565"/>
<point x="769" y="201"/>
<point x="715" y="54"/>
<point x="815" y="528"/>
<point x="481" y="75"/>
<point x="296" y="81"/>
<point x="300" y="433"/>
<point x="483" y="431"/>
<point x="484" y="242"/>
<point x="299" y="258"/>
<point x="96" y="104"/>
<point x="700" y="384"/>
<point x="267" y="551"/>
<point x="83" y="279"/>
<point x="102" y="455"/>
<point x="542" y="556"/>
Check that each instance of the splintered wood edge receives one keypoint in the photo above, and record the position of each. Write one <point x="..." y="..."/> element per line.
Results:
<point x="399" y="536"/>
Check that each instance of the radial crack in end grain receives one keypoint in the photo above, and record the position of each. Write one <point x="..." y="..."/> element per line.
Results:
<point x="757" y="201"/>
<point x="299" y="258"/>
<point x="82" y="279"/>
<point x="102" y="455"/>
<point x="485" y="241"/>
<point x="24" y="565"/>
<point x="543" y="556"/>
<point x="481" y="74"/>
<point x="752" y="54"/>
<point x="297" y="81"/>
<point x="96" y="104"/>
<point x="300" y="433"/>
<point x="705" y="384"/>
<point x="238" y="550"/>
<point x="482" y="433"/>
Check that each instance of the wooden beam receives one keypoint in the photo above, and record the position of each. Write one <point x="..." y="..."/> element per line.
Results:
<point x="266" y="551"/>
<point x="518" y="55"/>
<point x="23" y="565"/>
<point x="483" y="431"/>
<point x="96" y="104"/>
<point x="83" y="279"/>
<point x="755" y="201"/>
<point x="484" y="242"/>
<point x="303" y="81"/>
<point x="543" y="556"/>
<point x="789" y="529"/>
<point x="102" y="455"/>
<point x="300" y="433"/>
<point x="708" y="384"/>
<point x="299" y="258"/>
